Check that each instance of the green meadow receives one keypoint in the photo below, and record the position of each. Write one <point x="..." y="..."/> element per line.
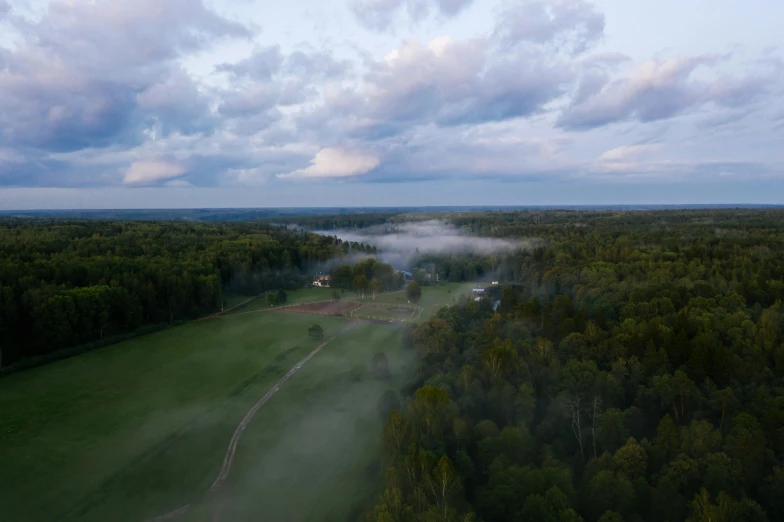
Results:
<point x="139" y="428"/>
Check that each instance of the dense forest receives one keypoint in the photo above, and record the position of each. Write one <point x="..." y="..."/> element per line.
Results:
<point x="65" y="283"/>
<point x="634" y="371"/>
<point x="342" y="221"/>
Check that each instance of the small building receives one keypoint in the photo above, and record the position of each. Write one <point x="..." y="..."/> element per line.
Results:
<point x="407" y="276"/>
<point x="478" y="291"/>
<point x="494" y="283"/>
<point x="321" y="281"/>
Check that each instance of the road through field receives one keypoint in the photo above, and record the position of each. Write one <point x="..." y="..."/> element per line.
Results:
<point x="228" y="459"/>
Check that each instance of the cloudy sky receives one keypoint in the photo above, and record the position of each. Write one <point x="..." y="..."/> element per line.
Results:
<point x="181" y="103"/>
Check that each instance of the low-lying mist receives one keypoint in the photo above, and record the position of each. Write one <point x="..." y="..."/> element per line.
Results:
<point x="400" y="244"/>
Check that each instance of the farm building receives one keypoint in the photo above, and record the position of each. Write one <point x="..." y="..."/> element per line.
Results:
<point x="322" y="280"/>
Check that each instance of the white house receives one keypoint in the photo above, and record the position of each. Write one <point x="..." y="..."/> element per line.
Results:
<point x="322" y="281"/>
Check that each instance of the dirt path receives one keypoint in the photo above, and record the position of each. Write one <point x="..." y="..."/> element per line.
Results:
<point x="227" y="310"/>
<point x="228" y="459"/>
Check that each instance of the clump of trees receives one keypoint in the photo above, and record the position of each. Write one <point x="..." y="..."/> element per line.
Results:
<point x="276" y="298"/>
<point x="379" y="367"/>
<point x="316" y="332"/>
<point x="65" y="283"/>
<point x="366" y="276"/>
<point x="629" y="375"/>
<point x="413" y="292"/>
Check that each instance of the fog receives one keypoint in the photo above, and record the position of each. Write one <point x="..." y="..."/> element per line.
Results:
<point x="312" y="452"/>
<point x="399" y="244"/>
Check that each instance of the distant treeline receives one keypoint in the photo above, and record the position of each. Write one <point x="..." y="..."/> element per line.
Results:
<point x="634" y="373"/>
<point x="341" y="221"/>
<point x="65" y="283"/>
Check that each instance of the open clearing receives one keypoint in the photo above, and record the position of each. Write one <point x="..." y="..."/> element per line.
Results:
<point x="433" y="297"/>
<point x="322" y="308"/>
<point x="139" y="427"/>
<point x="310" y="453"/>
<point x="136" y="429"/>
<point x="303" y="295"/>
<point x="386" y="312"/>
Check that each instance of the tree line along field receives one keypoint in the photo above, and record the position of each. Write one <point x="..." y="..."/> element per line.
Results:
<point x="69" y="283"/>
<point x="138" y="428"/>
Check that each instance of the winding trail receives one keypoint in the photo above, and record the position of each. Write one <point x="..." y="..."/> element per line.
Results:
<point x="228" y="459"/>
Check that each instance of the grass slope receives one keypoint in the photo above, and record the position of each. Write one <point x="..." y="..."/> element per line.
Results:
<point x="434" y="297"/>
<point x="310" y="454"/>
<point x="140" y="427"/>
<point x="303" y="295"/>
<point x="137" y="427"/>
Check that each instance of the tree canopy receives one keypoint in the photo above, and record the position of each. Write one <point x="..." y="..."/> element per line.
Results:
<point x="64" y="283"/>
<point x="634" y="371"/>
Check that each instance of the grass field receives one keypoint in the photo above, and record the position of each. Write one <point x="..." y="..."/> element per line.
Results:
<point x="234" y="299"/>
<point x="433" y="297"/>
<point x="386" y="311"/>
<point x="311" y="453"/>
<point x="303" y="295"/>
<point x="123" y="432"/>
<point x="138" y="428"/>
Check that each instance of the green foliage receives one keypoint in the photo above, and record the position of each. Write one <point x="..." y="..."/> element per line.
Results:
<point x="362" y="277"/>
<point x="414" y="292"/>
<point x="633" y="371"/>
<point x="69" y="283"/>
<point x="316" y="332"/>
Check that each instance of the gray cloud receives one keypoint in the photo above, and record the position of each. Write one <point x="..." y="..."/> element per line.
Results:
<point x="446" y="83"/>
<point x="379" y="15"/>
<point x="269" y="79"/>
<point x="268" y="62"/>
<point x="573" y="25"/>
<point x="5" y="8"/>
<point x="261" y="65"/>
<point x="661" y="89"/>
<point x="93" y="88"/>
<point x="98" y="74"/>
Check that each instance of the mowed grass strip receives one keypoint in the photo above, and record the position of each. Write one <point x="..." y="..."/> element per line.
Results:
<point x="303" y="295"/>
<point x="434" y="297"/>
<point x="139" y="427"/>
<point x="311" y="454"/>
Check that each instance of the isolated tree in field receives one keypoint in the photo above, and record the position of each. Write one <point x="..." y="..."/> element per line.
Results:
<point x="271" y="298"/>
<point x="316" y="332"/>
<point x="281" y="296"/>
<point x="414" y="292"/>
<point x="379" y="367"/>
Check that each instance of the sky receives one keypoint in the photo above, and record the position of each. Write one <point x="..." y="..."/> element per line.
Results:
<point x="193" y="103"/>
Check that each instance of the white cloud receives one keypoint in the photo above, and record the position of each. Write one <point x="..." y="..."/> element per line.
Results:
<point x="623" y="153"/>
<point x="337" y="163"/>
<point x="152" y="171"/>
